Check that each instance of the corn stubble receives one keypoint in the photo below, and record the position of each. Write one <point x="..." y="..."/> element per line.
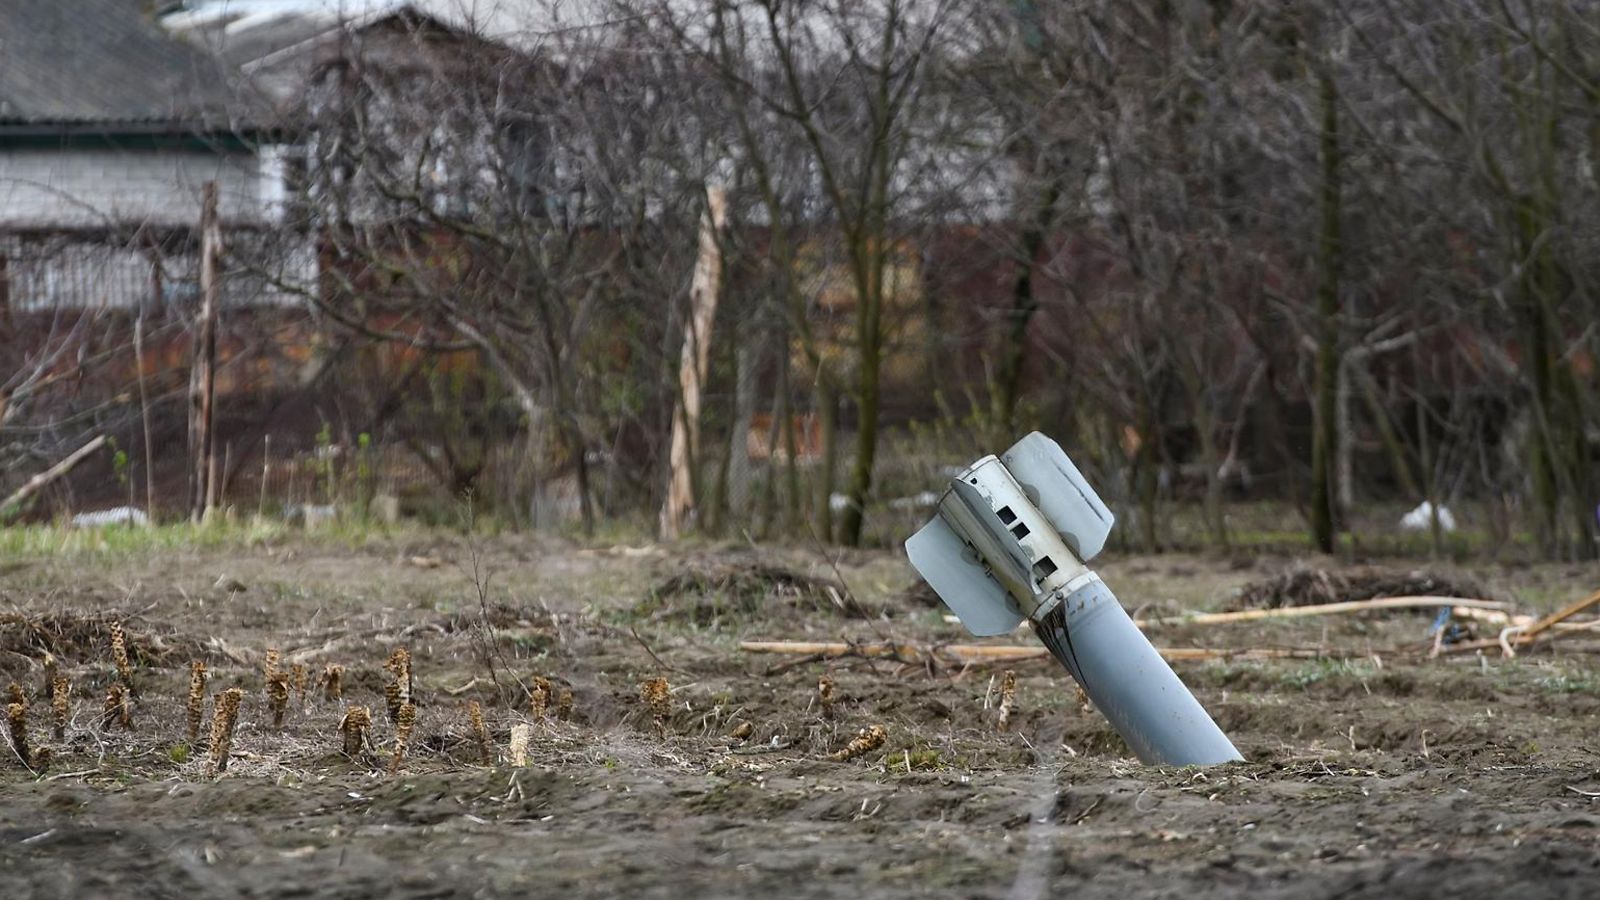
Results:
<point x="52" y="668"/>
<point x="119" y="656"/>
<point x="657" y="696"/>
<point x="825" y="695"/>
<point x="357" y="720"/>
<point x="17" y="728"/>
<point x="332" y="683"/>
<point x="116" y="710"/>
<point x="404" y="722"/>
<point x="222" y="726"/>
<point x="1008" y="699"/>
<point x="540" y="696"/>
<point x="278" y="697"/>
<point x="867" y="740"/>
<point x="301" y="680"/>
<point x="196" y="706"/>
<point x="60" y="706"/>
<point x="397" y="692"/>
<point x="480" y="732"/>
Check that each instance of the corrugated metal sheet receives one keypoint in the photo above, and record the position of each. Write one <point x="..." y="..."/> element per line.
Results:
<point x="102" y="61"/>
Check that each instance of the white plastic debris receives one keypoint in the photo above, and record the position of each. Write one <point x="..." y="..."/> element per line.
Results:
<point x="119" y="515"/>
<point x="312" y="514"/>
<point x="924" y="500"/>
<point x="1421" y="518"/>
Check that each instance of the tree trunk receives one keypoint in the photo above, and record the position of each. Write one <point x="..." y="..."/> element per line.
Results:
<point x="1014" y="350"/>
<point x="692" y="368"/>
<point x="203" y="376"/>
<point x="1344" y="442"/>
<point x="1325" y="433"/>
<point x="746" y="360"/>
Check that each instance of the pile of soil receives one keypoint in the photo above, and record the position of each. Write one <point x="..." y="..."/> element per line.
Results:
<point x="721" y="587"/>
<point x="1305" y="586"/>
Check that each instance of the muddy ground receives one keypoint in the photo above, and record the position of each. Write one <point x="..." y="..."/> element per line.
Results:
<point x="1384" y="775"/>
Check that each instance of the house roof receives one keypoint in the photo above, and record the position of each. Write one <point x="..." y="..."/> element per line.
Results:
<point x="246" y="32"/>
<point x="103" y="63"/>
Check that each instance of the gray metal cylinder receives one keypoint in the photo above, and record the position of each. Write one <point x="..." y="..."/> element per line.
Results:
<point x="1129" y="682"/>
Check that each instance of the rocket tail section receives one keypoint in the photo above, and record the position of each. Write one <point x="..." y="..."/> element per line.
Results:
<point x="1093" y="637"/>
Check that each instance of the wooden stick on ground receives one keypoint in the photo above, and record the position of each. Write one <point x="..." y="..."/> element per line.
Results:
<point x="1325" y="609"/>
<point x="1547" y="628"/>
<point x="1561" y="615"/>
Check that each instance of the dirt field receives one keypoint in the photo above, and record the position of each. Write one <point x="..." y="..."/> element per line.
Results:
<point x="1385" y="775"/>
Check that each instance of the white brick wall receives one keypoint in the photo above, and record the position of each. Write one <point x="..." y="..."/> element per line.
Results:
<point x="55" y="187"/>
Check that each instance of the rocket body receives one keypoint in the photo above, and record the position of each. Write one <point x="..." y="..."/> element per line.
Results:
<point x="1090" y="633"/>
<point x="1011" y="542"/>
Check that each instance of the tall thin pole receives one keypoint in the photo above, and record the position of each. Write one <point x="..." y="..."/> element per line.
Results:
<point x="144" y="416"/>
<point x="203" y="379"/>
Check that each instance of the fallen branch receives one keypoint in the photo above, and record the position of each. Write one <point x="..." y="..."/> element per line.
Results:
<point x="1547" y="628"/>
<point x="1327" y="609"/>
<point x="974" y="653"/>
<point x="1559" y="616"/>
<point x="43" y="479"/>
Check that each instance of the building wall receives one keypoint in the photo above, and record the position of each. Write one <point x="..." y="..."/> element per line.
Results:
<point x="43" y="272"/>
<point x="78" y="186"/>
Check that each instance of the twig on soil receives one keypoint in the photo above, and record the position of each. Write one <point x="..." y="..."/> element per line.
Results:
<point x="659" y="662"/>
<point x="781" y="668"/>
<point x="458" y="691"/>
<point x="1547" y="628"/>
<point x="1562" y="615"/>
<point x="1326" y="609"/>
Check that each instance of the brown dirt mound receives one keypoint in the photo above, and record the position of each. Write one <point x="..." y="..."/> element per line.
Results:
<point x="1304" y="586"/>
<point x="724" y="587"/>
<point x="87" y="636"/>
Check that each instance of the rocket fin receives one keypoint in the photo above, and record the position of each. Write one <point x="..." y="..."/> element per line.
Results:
<point x="950" y="567"/>
<point x="1060" y="491"/>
